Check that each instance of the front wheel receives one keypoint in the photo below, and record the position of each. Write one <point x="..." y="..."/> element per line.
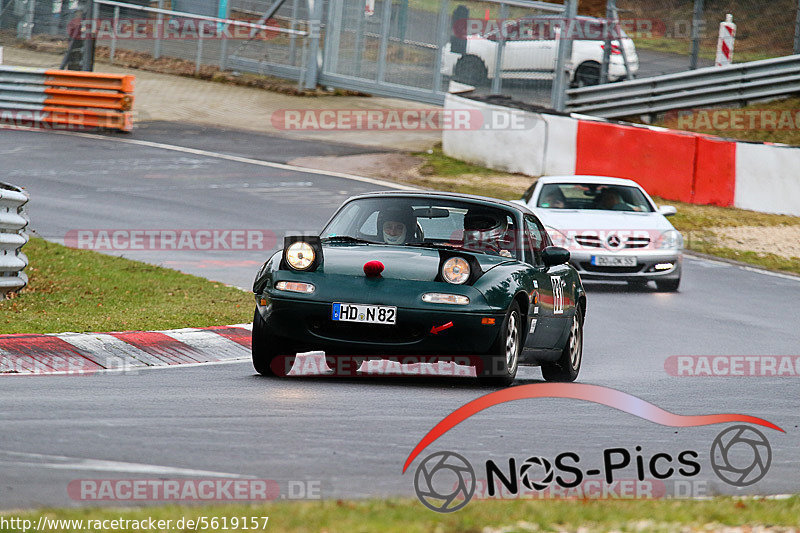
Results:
<point x="500" y="365"/>
<point x="568" y="366"/>
<point x="268" y="349"/>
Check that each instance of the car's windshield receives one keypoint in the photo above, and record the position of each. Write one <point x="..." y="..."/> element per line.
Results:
<point x="593" y="196"/>
<point x="407" y="221"/>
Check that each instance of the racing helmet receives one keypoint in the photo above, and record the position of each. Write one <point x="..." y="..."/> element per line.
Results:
<point x="484" y="225"/>
<point x="402" y="215"/>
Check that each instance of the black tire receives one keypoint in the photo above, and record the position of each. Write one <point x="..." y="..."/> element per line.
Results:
<point x="568" y="366"/>
<point x="501" y="363"/>
<point x="471" y="70"/>
<point x="669" y="285"/>
<point x="266" y="348"/>
<point x="586" y="75"/>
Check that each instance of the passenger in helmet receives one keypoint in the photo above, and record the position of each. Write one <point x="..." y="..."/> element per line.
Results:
<point x="397" y="225"/>
<point x="486" y="229"/>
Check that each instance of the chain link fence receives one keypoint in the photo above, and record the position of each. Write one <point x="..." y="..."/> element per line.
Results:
<point x="421" y="49"/>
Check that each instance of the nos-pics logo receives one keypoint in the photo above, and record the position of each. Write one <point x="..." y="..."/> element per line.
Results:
<point x="446" y="482"/>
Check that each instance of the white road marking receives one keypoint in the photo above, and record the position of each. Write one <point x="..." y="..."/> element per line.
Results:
<point x="61" y="462"/>
<point x="218" y="155"/>
<point x="711" y="263"/>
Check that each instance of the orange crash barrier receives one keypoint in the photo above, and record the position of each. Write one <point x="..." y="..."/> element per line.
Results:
<point x="65" y="98"/>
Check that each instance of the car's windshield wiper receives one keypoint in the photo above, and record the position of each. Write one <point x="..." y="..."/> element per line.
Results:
<point x="434" y="245"/>
<point x="346" y="238"/>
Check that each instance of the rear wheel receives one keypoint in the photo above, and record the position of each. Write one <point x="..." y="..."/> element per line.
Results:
<point x="568" y="366"/>
<point x="500" y="365"/>
<point x="471" y="70"/>
<point x="587" y="74"/>
<point x="668" y="285"/>
<point x="268" y="349"/>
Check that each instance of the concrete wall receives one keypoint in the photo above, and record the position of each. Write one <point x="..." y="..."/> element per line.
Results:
<point x="675" y="165"/>
<point x="768" y="178"/>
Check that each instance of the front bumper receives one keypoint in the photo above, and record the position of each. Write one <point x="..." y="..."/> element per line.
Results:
<point x="645" y="269"/>
<point x="307" y="325"/>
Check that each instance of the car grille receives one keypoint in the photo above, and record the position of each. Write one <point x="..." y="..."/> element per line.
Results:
<point x="637" y="242"/>
<point x="588" y="267"/>
<point x="592" y="241"/>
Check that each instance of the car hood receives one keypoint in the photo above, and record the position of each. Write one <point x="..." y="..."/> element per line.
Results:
<point x="585" y="219"/>
<point x="400" y="262"/>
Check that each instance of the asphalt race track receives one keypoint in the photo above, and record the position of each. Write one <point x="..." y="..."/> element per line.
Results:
<point x="351" y="436"/>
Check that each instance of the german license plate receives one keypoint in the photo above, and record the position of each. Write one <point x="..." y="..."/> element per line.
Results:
<point x="368" y="314"/>
<point x="614" y="261"/>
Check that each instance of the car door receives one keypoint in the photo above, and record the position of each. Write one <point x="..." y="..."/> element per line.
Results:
<point x="549" y="305"/>
<point x="527" y="53"/>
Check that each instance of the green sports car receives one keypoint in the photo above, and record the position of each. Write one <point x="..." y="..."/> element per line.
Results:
<point x="423" y="274"/>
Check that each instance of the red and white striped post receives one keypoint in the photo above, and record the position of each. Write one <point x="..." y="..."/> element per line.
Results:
<point x="727" y="37"/>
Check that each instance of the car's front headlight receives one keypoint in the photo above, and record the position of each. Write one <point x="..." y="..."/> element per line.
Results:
<point x="456" y="271"/>
<point x="300" y="255"/>
<point x="671" y="240"/>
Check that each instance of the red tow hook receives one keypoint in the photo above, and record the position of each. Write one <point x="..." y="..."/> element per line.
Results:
<point x="436" y="329"/>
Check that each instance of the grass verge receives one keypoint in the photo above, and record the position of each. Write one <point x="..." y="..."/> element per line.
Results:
<point x="114" y="294"/>
<point x="409" y="516"/>
<point x="444" y="173"/>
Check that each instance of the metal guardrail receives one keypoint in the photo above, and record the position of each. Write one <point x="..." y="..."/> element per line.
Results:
<point x="12" y="237"/>
<point x="740" y="82"/>
<point x="66" y="98"/>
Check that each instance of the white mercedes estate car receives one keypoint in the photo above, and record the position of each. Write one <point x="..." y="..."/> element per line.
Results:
<point x="530" y="52"/>
<point x="612" y="228"/>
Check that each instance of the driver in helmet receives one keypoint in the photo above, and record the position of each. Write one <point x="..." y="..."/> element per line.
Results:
<point x="486" y="229"/>
<point x="397" y="225"/>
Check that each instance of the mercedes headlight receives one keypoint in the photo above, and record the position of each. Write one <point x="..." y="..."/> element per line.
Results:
<point x="300" y="255"/>
<point x="456" y="271"/>
<point x="671" y="240"/>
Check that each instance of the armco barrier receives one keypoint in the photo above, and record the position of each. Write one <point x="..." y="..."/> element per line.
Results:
<point x="12" y="237"/>
<point x="65" y="98"/>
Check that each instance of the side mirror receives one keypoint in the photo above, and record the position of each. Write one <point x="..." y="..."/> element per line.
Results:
<point x="555" y="255"/>
<point x="667" y="210"/>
